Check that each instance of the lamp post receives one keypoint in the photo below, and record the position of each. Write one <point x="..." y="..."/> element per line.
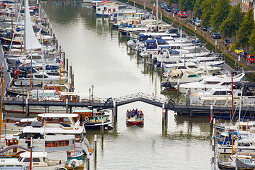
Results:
<point x="92" y="87"/>
<point x="89" y="94"/>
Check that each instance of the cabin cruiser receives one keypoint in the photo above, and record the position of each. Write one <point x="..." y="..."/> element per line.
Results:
<point x="40" y="161"/>
<point x="51" y="132"/>
<point x="40" y="78"/>
<point x="223" y="96"/>
<point x="210" y="82"/>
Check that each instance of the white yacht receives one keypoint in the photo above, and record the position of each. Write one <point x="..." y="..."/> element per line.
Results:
<point x="210" y="82"/>
<point x="41" y="77"/>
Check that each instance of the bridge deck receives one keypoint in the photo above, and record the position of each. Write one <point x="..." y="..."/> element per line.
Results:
<point x="188" y="110"/>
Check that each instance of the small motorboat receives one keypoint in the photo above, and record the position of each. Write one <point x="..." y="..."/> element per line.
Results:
<point x="242" y="162"/>
<point x="134" y="117"/>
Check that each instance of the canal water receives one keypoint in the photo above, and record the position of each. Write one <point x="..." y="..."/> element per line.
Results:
<point x="100" y="58"/>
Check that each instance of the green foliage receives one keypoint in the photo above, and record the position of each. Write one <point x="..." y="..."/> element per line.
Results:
<point x="221" y="10"/>
<point x="186" y="5"/>
<point x="232" y="23"/>
<point x="198" y="8"/>
<point x="245" y="30"/>
<point x="207" y="11"/>
<point x="252" y="41"/>
<point x="172" y="2"/>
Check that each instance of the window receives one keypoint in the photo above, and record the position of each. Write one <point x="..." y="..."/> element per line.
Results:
<point x="36" y="160"/>
<point x="220" y="102"/>
<point x="26" y="160"/>
<point x="208" y="102"/>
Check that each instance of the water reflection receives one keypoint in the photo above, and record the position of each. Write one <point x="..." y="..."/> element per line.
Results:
<point x="100" y="57"/>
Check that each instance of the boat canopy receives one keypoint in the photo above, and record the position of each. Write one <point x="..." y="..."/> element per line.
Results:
<point x="150" y="44"/>
<point x="57" y="115"/>
<point x="31" y="41"/>
<point x="160" y="41"/>
<point x="35" y="154"/>
<point x="142" y="37"/>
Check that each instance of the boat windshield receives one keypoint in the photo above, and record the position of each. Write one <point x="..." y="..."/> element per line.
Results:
<point x="246" y="161"/>
<point x="19" y="159"/>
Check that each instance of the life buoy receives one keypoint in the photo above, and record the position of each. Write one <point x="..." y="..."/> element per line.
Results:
<point x="228" y="143"/>
<point x="73" y="163"/>
<point x="155" y="53"/>
<point x="57" y="93"/>
<point x="63" y="143"/>
<point x="50" y="144"/>
<point x="56" y="144"/>
<point x="86" y="119"/>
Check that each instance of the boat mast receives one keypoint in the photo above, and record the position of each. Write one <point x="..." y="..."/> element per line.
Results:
<point x="31" y="159"/>
<point x="239" y="115"/>
<point x="1" y="107"/>
<point x="157" y="13"/>
<point x="232" y="97"/>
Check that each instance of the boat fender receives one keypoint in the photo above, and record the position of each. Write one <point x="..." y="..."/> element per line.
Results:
<point x="228" y="143"/>
<point x="73" y="163"/>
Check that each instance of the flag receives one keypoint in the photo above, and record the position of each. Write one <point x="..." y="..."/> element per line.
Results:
<point x="212" y="138"/>
<point x="211" y="120"/>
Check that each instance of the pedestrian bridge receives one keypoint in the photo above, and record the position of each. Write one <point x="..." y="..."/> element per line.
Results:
<point x="113" y="103"/>
<point x="99" y="103"/>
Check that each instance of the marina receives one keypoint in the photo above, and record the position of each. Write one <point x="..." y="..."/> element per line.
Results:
<point x="151" y="64"/>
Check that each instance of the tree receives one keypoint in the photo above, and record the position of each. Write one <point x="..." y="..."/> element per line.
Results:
<point x="198" y="8"/>
<point x="232" y="23"/>
<point x="207" y="11"/>
<point x="186" y="5"/>
<point x="221" y="11"/>
<point x="245" y="30"/>
<point x="172" y="1"/>
<point x="252" y="42"/>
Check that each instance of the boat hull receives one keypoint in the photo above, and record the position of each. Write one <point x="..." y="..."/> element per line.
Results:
<point x="137" y="123"/>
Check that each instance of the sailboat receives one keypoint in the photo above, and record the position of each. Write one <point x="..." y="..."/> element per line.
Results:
<point x="238" y="161"/>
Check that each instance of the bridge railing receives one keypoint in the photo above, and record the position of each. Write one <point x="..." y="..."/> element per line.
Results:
<point x="140" y="95"/>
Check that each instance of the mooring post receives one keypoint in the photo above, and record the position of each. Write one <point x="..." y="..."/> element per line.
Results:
<point x="102" y="126"/>
<point x="95" y="146"/>
<point x="27" y="108"/>
<point x="163" y="114"/>
<point x="88" y="163"/>
<point x="64" y="60"/>
<point x="66" y="105"/>
<point x="164" y="119"/>
<point x="67" y="67"/>
<point x="115" y="110"/>
<point x="213" y="144"/>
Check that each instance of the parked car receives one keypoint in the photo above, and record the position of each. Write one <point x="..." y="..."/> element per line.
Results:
<point x="198" y="23"/>
<point x="250" y="58"/>
<point x="205" y="28"/>
<point x="192" y="20"/>
<point x="175" y="10"/>
<point x="226" y="41"/>
<point x="209" y="30"/>
<point x="243" y="54"/>
<point x="163" y="5"/>
<point x="238" y="51"/>
<point x="168" y="9"/>
<point x="216" y="35"/>
<point x="182" y="14"/>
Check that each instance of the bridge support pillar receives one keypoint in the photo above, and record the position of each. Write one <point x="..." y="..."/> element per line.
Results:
<point x="66" y="105"/>
<point x="114" y="112"/>
<point x="27" y="108"/>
